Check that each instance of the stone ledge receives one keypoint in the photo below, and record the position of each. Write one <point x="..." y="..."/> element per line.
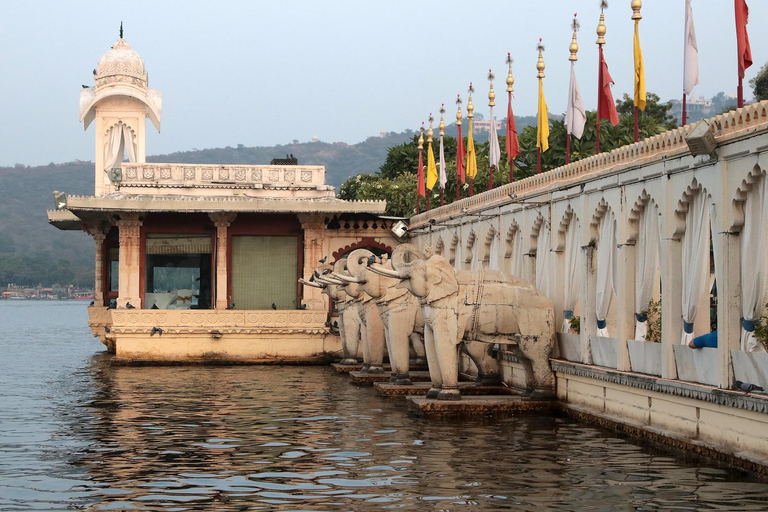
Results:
<point x="704" y="393"/>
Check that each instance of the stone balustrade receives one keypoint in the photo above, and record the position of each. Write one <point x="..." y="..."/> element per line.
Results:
<point x="166" y="175"/>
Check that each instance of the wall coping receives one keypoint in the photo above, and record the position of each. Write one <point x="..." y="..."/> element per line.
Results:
<point x="728" y="398"/>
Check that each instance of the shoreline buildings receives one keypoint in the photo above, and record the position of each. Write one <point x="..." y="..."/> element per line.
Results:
<point x="202" y="261"/>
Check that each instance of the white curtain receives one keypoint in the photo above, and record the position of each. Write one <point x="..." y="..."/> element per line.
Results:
<point x="119" y="141"/>
<point x="606" y="258"/>
<point x="572" y="272"/>
<point x="754" y="262"/>
<point x="647" y="265"/>
<point x="543" y="256"/>
<point x="517" y="254"/>
<point x="695" y="261"/>
<point x="493" y="252"/>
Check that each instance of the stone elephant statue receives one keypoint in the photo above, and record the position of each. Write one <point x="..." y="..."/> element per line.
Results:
<point x="349" y="317"/>
<point x="399" y="310"/>
<point x="371" y="329"/>
<point x="475" y="306"/>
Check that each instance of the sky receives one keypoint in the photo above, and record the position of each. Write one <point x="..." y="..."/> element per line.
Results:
<point x="261" y="73"/>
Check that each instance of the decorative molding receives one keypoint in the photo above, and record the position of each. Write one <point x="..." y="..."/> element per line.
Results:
<point x="364" y="243"/>
<point x="669" y="387"/>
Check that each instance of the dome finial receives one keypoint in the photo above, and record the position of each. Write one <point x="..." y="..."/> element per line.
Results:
<point x="121" y="30"/>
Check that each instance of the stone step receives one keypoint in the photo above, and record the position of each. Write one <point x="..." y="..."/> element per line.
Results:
<point x="367" y="379"/>
<point x="479" y="405"/>
<point x="346" y="368"/>
<point x="421" y="388"/>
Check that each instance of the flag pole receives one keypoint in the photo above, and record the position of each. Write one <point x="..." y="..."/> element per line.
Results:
<point x="542" y="122"/>
<point x="600" y="42"/>
<point x="420" y="178"/>
<point x="430" y="159"/>
<point x="639" y="68"/>
<point x="470" y="115"/>
<point x="491" y="132"/>
<point x="684" y="109"/>
<point x="459" y="150"/>
<point x="443" y="178"/>
<point x="573" y="48"/>
<point x="512" y="145"/>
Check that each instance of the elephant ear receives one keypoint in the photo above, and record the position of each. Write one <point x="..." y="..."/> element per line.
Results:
<point x="404" y="256"/>
<point x="357" y="262"/>
<point x="339" y="267"/>
<point x="442" y="279"/>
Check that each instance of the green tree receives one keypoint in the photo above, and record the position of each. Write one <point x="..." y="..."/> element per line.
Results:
<point x="760" y="84"/>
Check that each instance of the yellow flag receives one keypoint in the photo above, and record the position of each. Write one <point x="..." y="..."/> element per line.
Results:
<point x="639" y="71"/>
<point x="542" y="132"/>
<point x="471" y="155"/>
<point x="431" y="168"/>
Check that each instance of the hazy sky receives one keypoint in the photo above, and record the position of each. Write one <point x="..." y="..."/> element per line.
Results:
<point x="263" y="73"/>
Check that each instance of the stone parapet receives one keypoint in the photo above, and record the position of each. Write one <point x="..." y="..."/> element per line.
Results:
<point x="149" y="177"/>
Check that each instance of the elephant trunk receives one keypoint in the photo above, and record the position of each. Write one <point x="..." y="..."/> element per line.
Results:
<point x="346" y="279"/>
<point x="307" y="283"/>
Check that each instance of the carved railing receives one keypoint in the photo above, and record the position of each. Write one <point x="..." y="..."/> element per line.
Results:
<point x="221" y="176"/>
<point x="191" y="321"/>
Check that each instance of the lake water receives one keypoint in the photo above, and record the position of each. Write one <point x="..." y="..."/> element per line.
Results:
<point x="77" y="433"/>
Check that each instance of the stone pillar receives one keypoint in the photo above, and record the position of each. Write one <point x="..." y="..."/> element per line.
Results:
<point x="671" y="304"/>
<point x="625" y="286"/>
<point x="97" y="232"/>
<point x="129" y="227"/>
<point x="222" y="220"/>
<point x="588" y="320"/>
<point x="314" y="244"/>
<point x="625" y="300"/>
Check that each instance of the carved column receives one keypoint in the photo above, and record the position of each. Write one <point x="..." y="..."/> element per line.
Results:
<point x="129" y="227"/>
<point x="314" y="245"/>
<point x="97" y="232"/>
<point x="222" y="220"/>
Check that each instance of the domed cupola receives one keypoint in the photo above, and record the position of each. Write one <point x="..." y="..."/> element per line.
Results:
<point x="121" y="64"/>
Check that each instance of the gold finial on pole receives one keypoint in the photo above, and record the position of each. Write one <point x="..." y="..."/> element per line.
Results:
<point x="442" y="119"/>
<point x="636" y="6"/>
<point x="510" y="78"/>
<point x="601" y="26"/>
<point x="540" y="64"/>
<point x="459" y="115"/>
<point x="491" y="93"/>
<point x="470" y="106"/>
<point x="421" y="136"/>
<point x="574" y="47"/>
<point x="430" y="132"/>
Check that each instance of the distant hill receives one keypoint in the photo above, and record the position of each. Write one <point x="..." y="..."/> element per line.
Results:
<point x="33" y="252"/>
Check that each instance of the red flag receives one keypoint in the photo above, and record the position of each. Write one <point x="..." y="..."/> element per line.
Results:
<point x="742" y="38"/>
<point x="421" y="189"/>
<point x="606" y="108"/>
<point x="460" y="156"/>
<point x="513" y="145"/>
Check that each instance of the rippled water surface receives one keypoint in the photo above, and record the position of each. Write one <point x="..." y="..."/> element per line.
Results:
<point x="78" y="433"/>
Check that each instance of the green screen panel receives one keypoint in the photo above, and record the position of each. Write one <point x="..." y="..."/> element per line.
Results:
<point x="264" y="271"/>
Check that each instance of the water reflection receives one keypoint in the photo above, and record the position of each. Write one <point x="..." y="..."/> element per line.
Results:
<point x="78" y="432"/>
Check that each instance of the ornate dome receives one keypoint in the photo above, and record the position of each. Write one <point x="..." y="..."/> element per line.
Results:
<point x="121" y="65"/>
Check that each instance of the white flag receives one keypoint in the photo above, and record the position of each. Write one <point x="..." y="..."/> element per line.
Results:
<point x="691" y="54"/>
<point x="494" y="152"/>
<point x="443" y="179"/>
<point x="575" y="116"/>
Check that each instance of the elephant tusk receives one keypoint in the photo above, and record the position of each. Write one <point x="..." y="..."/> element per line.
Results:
<point x="383" y="271"/>
<point x="346" y="279"/>
<point x="329" y="281"/>
<point x="307" y="283"/>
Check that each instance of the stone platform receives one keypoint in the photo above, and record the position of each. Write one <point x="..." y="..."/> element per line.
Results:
<point x="421" y="388"/>
<point x="368" y="379"/>
<point x="479" y="405"/>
